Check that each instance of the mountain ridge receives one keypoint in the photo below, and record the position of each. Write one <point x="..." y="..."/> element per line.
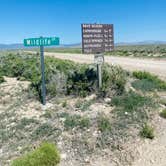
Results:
<point x="78" y="45"/>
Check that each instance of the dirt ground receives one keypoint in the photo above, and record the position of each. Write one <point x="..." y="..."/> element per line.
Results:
<point x="153" y="153"/>
<point x="149" y="152"/>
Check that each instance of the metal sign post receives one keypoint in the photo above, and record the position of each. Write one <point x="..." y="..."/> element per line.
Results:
<point x="41" y="42"/>
<point x="43" y="75"/>
<point x="99" y="76"/>
<point x="99" y="60"/>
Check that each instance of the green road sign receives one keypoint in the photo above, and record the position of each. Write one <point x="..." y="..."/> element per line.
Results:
<point x="42" y="41"/>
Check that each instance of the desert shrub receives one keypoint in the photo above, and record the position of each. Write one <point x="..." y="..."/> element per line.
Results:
<point x="63" y="115"/>
<point x="131" y="109"/>
<point x="155" y="81"/>
<point x="62" y="76"/>
<point x="43" y="130"/>
<point x="104" y="124"/>
<point x="64" y="104"/>
<point x="82" y="82"/>
<point x="28" y="67"/>
<point x="147" y="132"/>
<point x="143" y="75"/>
<point x="1" y="79"/>
<point x="45" y="155"/>
<point x="71" y="121"/>
<point x="64" y="50"/>
<point x="131" y="101"/>
<point x="51" y="89"/>
<point x="144" y="85"/>
<point x="25" y="122"/>
<point x="76" y="121"/>
<point x="114" y="80"/>
<point x="78" y="104"/>
<point x="163" y="113"/>
<point x="84" y="123"/>
<point x="84" y="105"/>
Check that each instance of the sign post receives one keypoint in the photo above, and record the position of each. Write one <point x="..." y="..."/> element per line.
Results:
<point x="41" y="42"/>
<point x="43" y="75"/>
<point x="99" y="60"/>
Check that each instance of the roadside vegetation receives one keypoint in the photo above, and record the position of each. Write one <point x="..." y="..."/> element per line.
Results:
<point x="45" y="155"/>
<point x="144" y="51"/>
<point x="65" y="50"/>
<point x="147" y="132"/>
<point x="82" y="121"/>
<point x="163" y="113"/>
<point x="148" y="82"/>
<point x="1" y="79"/>
<point x="62" y="77"/>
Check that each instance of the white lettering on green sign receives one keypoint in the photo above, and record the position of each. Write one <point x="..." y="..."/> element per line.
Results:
<point x="47" y="41"/>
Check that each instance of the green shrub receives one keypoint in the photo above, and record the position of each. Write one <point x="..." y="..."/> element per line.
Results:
<point x="64" y="104"/>
<point x="25" y="122"/>
<point x="84" y="105"/>
<point x="84" y="123"/>
<point x="104" y="124"/>
<point x="82" y="82"/>
<point x="155" y="81"/>
<point x="71" y="121"/>
<point x="147" y="132"/>
<point x="144" y="85"/>
<point x="64" y="50"/>
<point x="131" y="110"/>
<point x="76" y="121"/>
<point x="78" y="104"/>
<point x="43" y="130"/>
<point x="62" y="76"/>
<point x="131" y="101"/>
<point x="2" y="79"/>
<point x="143" y="75"/>
<point x="163" y="113"/>
<point x="51" y="89"/>
<point x="28" y="67"/>
<point x="113" y="79"/>
<point x="46" y="155"/>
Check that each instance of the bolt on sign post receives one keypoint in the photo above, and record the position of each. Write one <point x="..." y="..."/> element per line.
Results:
<point x="97" y="39"/>
<point x="41" y="42"/>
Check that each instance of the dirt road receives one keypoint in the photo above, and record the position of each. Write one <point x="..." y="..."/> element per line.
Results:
<point x="154" y="66"/>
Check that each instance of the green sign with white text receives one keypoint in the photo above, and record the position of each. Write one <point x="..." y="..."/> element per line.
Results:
<point x="42" y="41"/>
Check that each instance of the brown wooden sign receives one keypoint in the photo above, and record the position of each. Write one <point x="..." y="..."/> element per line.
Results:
<point x="97" y="38"/>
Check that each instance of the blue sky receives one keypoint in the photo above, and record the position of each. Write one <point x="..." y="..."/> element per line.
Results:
<point x="134" y="20"/>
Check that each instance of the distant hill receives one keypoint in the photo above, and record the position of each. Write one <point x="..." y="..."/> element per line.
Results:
<point x="11" y="46"/>
<point x="78" y="45"/>
<point x="21" y="46"/>
<point x="149" y="42"/>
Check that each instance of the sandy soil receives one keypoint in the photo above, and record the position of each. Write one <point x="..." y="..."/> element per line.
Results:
<point x="155" y="66"/>
<point x="153" y="153"/>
